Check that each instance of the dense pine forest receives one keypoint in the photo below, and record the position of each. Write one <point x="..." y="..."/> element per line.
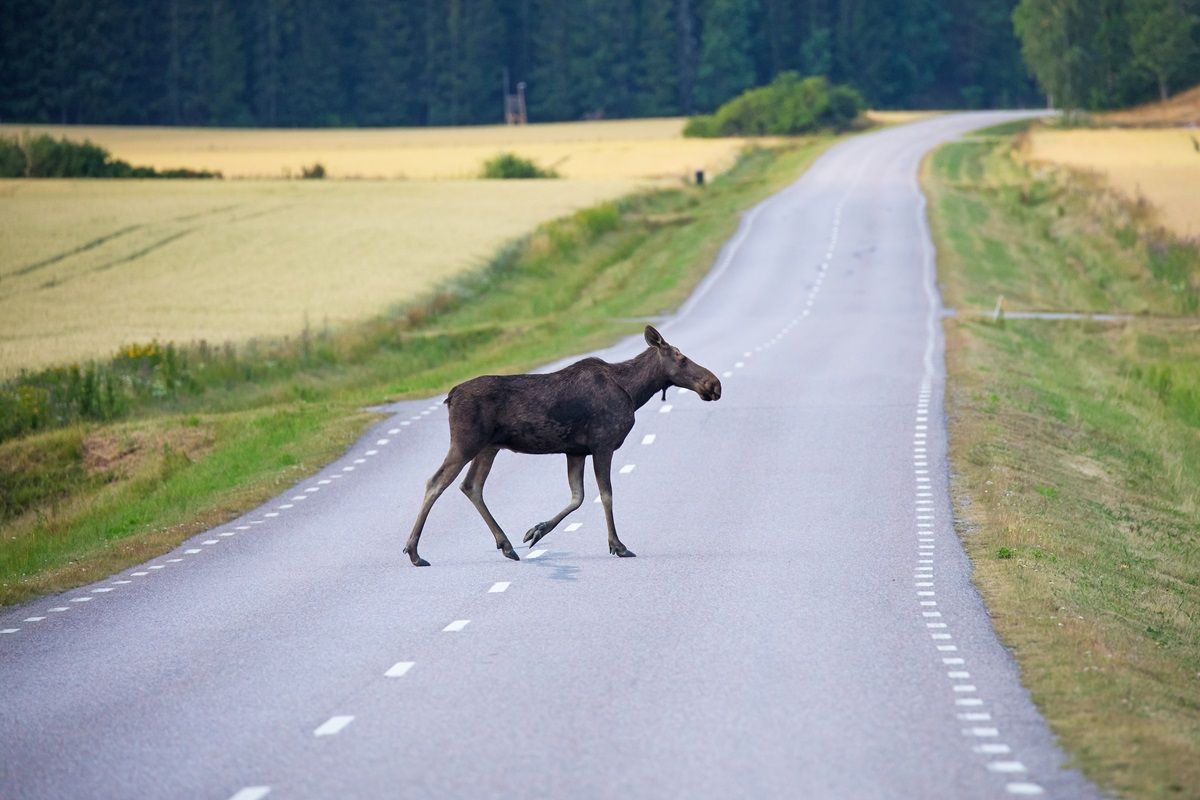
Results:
<point x="444" y="62"/>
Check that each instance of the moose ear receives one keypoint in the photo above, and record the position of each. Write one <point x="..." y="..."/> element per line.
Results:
<point x="654" y="338"/>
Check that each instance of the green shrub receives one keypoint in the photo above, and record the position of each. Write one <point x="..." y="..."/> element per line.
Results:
<point x="511" y="165"/>
<point x="599" y="219"/>
<point x="789" y="105"/>
<point x="43" y="156"/>
<point x="12" y="158"/>
<point x="315" y="172"/>
<point x="845" y="107"/>
<point x="702" y="126"/>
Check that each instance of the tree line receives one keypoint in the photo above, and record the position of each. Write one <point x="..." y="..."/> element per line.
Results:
<point x="1099" y="54"/>
<point x="444" y="62"/>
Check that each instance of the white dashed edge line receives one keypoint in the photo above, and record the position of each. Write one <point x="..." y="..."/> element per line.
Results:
<point x="122" y="579"/>
<point x="961" y="691"/>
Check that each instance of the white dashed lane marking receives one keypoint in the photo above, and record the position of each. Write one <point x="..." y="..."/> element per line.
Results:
<point x="1022" y="788"/>
<point x="499" y="586"/>
<point x="399" y="669"/>
<point x="628" y="468"/>
<point x="457" y="625"/>
<point x="333" y="725"/>
<point x="574" y="526"/>
<point x="536" y="554"/>
<point x="648" y="438"/>
<point x="252" y="793"/>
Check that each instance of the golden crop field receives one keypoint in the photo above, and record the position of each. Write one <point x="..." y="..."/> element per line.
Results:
<point x="89" y="265"/>
<point x="1179" y="110"/>
<point x="642" y="149"/>
<point x="1162" y="165"/>
<point x="899" y="117"/>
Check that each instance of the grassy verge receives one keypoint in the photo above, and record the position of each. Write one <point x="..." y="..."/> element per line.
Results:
<point x="1075" y="450"/>
<point x="198" y="436"/>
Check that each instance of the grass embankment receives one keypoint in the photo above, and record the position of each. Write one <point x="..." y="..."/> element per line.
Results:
<point x="83" y="501"/>
<point x="1075" y="450"/>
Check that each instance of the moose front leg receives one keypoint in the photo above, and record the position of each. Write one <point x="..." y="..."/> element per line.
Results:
<point x="602" y="463"/>
<point x="575" y="479"/>
<point x="445" y="476"/>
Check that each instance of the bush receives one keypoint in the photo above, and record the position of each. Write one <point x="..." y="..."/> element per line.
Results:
<point x="43" y="156"/>
<point x="12" y="158"/>
<point x="701" y="127"/>
<point x="511" y="165"/>
<point x="788" y="106"/>
<point x="58" y="158"/>
<point x="315" y="172"/>
<point x="845" y="106"/>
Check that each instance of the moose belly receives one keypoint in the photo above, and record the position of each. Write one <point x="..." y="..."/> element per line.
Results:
<point x="547" y="437"/>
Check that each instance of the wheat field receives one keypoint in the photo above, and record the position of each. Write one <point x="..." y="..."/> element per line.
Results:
<point x="1161" y="165"/>
<point x="89" y="265"/>
<point x="644" y="149"/>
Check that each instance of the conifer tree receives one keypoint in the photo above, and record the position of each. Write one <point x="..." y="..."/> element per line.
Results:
<point x="725" y="67"/>
<point x="655" y="85"/>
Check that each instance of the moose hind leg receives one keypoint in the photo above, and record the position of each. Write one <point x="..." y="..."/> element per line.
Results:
<point x="602" y="464"/>
<point x="444" y="476"/>
<point x="472" y="487"/>
<point x="575" y="479"/>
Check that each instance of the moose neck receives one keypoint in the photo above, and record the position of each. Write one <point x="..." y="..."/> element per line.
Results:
<point x="641" y="377"/>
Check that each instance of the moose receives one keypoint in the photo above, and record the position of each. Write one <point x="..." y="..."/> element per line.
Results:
<point x="585" y="409"/>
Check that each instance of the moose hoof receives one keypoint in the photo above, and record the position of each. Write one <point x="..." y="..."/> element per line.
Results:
<point x="534" y="534"/>
<point x="622" y="552"/>
<point x="416" y="560"/>
<point x="508" y="551"/>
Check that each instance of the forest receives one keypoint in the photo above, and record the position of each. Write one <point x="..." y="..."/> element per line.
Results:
<point x="445" y="62"/>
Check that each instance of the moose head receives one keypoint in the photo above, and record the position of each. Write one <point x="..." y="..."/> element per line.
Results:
<point x="679" y="370"/>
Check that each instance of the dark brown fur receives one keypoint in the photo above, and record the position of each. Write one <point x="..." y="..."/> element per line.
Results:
<point x="583" y="410"/>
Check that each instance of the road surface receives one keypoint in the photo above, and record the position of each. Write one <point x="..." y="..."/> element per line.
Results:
<point x="799" y="622"/>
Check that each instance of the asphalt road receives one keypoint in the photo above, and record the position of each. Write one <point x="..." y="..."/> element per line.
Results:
<point x="799" y="622"/>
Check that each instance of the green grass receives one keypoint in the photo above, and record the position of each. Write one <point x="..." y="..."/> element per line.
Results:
<point x="216" y="432"/>
<point x="1057" y="242"/>
<point x="1075" y="449"/>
